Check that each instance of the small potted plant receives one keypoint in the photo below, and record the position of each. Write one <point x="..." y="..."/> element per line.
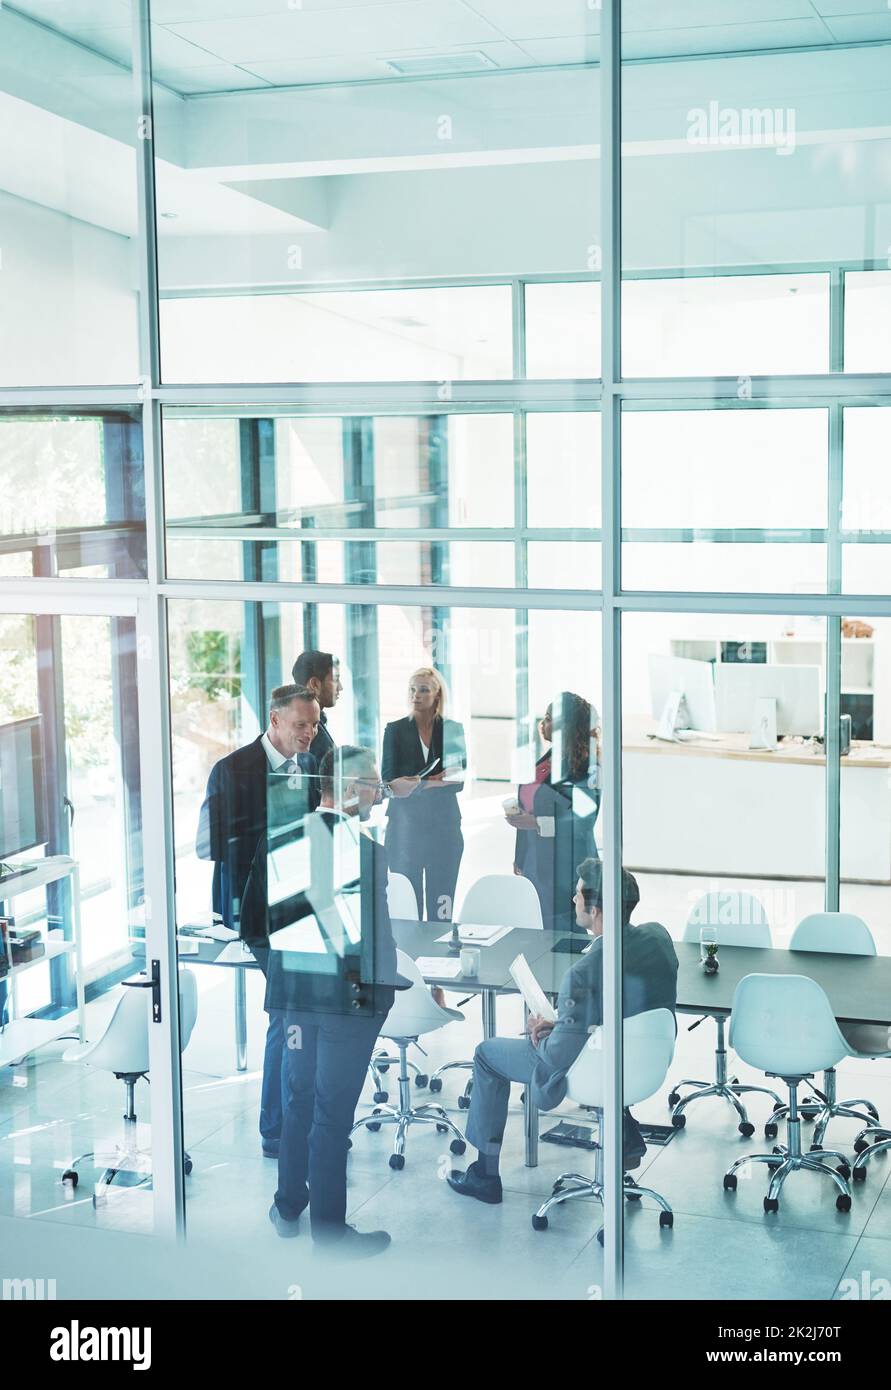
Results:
<point x="711" y="964"/>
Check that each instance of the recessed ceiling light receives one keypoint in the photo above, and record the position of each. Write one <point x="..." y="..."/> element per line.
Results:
<point x="170" y="215"/>
<point x="437" y="64"/>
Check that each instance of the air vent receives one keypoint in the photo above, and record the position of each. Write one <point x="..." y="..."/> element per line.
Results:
<point x="438" y="64"/>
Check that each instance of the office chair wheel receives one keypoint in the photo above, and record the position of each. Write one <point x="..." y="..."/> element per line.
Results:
<point x="770" y="1130"/>
<point x="463" y="1102"/>
<point x="729" y="1182"/>
<point x="539" y="1223"/>
<point x="436" y="1085"/>
<point x="666" y="1220"/>
<point x="771" y="1204"/>
<point x="778" y="1105"/>
<point x="397" y="1161"/>
<point x="746" y="1128"/>
<point x="600" y="1236"/>
<point x="457" y="1146"/>
<point x="777" y="1149"/>
<point x="859" y="1174"/>
<point x="421" y="1080"/>
<point x="843" y="1202"/>
<point x="860" y="1146"/>
<point x="373" y="1125"/>
<point x="816" y="1148"/>
<point x="381" y="1097"/>
<point x="349" y="1143"/>
<point x="678" y="1121"/>
<point x="673" y="1099"/>
<point x="844" y="1169"/>
<point x="631" y="1196"/>
<point x="383" y="1066"/>
<point x="69" y="1178"/>
<point x="442" y="1129"/>
<point x="187" y="1165"/>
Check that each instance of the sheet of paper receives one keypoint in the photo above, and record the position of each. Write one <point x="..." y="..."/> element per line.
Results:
<point x="536" y="1000"/>
<point x="440" y="967"/>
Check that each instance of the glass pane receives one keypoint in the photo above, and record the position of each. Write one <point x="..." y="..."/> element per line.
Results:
<point x="72" y="899"/>
<point x="866" y="505"/>
<point x="328" y="181"/>
<point x="68" y="301"/>
<point x="731" y="325"/>
<point x="724" y="783"/>
<point x="868" y="321"/>
<point x="865" y="889"/>
<point x="519" y="799"/>
<point x="562" y="462"/>
<point x="73" y="495"/>
<point x="563" y="330"/>
<point x="730" y="499"/>
<point x="759" y="133"/>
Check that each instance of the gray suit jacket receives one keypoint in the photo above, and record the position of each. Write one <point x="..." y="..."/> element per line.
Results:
<point x="651" y="969"/>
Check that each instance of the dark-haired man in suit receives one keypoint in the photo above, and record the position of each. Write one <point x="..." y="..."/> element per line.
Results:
<point x="320" y="673"/>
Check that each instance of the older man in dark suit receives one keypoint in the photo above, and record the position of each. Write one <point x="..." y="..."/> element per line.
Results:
<point x="258" y="785"/>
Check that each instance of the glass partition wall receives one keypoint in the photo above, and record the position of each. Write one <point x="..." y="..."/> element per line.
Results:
<point x="545" y="347"/>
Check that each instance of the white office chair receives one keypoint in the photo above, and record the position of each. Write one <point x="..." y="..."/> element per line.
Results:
<point x="739" y="920"/>
<point x="403" y="906"/>
<point x="844" y="934"/>
<point x="784" y="1026"/>
<point x="495" y="900"/>
<point x="401" y="899"/>
<point x="648" y="1050"/>
<point x="414" y="1013"/>
<point x="124" y="1050"/>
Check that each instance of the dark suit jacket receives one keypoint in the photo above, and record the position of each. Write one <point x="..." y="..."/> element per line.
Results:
<point x="323" y="742"/>
<point x="361" y="981"/>
<point x="428" y="808"/>
<point x="233" y="821"/>
<point x="651" y="970"/>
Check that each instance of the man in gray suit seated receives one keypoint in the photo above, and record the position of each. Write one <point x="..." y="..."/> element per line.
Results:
<point x="542" y="1060"/>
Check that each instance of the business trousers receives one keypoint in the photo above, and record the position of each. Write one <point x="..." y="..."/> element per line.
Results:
<point x="327" y="1057"/>
<point x="431" y="865"/>
<point x="496" y="1063"/>
<point x="274" y="1086"/>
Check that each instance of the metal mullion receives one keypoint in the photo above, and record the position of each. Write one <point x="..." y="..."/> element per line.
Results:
<point x="818" y="387"/>
<point x="168" y="1179"/>
<point x="807" y="605"/>
<point x="406" y="596"/>
<point x="57" y="398"/>
<point x="832" y="730"/>
<point x="611" y="803"/>
<point x="379" y="398"/>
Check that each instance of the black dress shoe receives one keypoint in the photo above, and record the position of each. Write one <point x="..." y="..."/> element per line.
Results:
<point x="286" y="1229"/>
<point x="352" y="1244"/>
<point x="472" y="1183"/>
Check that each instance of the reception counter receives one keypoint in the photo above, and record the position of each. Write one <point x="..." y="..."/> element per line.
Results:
<point x="719" y="807"/>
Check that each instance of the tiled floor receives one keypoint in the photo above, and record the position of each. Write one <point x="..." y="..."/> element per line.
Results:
<point x="722" y="1244"/>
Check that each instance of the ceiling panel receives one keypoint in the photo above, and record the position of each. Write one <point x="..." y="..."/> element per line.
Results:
<point x="371" y="28"/>
<point x="728" y="38"/>
<point x="182" y="11"/>
<point x="533" y="19"/>
<point x="862" y="28"/>
<point x="830" y="7"/>
<point x="582" y="49"/>
<point x="690" y="14"/>
<point x="368" y="67"/>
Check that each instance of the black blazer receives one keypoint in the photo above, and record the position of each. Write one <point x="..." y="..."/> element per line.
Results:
<point x="323" y="742"/>
<point x="403" y="756"/>
<point x="233" y="821"/>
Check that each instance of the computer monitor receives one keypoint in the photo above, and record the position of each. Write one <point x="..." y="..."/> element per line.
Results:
<point x="23" y="818"/>
<point x="795" y="690"/>
<point x="695" y="680"/>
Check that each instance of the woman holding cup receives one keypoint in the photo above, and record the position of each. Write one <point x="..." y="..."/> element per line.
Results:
<point x="554" y="815"/>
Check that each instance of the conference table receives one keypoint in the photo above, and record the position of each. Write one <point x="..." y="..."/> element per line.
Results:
<point x="858" y="987"/>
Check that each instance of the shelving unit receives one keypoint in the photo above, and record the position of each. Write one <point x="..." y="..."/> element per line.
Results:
<point x="24" y="1035"/>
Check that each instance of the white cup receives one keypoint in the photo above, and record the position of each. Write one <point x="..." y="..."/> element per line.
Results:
<point x="511" y="806"/>
<point x="470" y="960"/>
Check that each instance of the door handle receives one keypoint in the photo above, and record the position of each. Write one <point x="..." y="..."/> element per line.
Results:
<point x="153" y="982"/>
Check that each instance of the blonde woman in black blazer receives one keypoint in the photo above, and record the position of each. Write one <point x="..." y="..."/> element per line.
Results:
<point x="424" y="839"/>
